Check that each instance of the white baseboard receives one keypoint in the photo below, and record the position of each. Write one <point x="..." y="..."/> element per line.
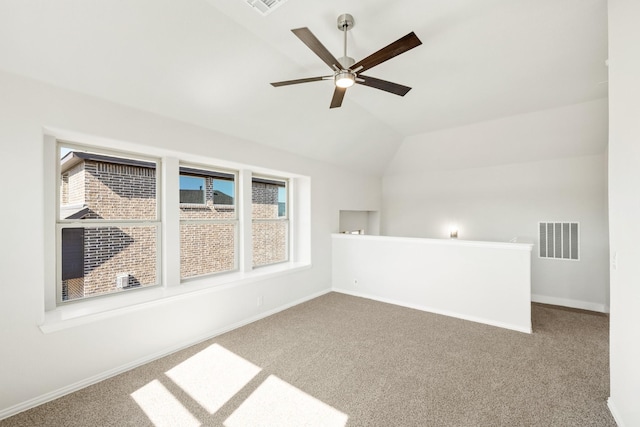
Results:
<point x="614" y="412"/>
<point x="565" y="302"/>
<point x="435" y="311"/>
<point x="47" y="397"/>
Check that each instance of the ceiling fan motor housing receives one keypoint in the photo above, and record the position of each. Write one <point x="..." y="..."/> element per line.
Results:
<point x="346" y="62"/>
<point x="346" y="22"/>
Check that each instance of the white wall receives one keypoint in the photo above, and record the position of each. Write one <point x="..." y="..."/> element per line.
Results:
<point x="35" y="366"/>
<point x="483" y="282"/>
<point x="495" y="180"/>
<point x="624" y="209"/>
<point x="369" y="221"/>
<point x="353" y="220"/>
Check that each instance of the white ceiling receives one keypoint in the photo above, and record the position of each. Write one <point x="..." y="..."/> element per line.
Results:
<point x="209" y="62"/>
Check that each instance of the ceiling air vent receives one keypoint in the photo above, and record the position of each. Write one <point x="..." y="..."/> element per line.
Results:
<point x="559" y="240"/>
<point x="265" y="7"/>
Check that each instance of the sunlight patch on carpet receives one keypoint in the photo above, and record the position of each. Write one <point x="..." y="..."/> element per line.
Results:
<point x="213" y="376"/>
<point x="162" y="408"/>
<point x="278" y="403"/>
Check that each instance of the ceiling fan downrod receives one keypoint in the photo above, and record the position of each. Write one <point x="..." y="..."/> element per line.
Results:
<point x="346" y="77"/>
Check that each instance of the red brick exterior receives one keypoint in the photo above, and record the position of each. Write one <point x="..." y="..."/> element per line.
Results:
<point x="113" y="191"/>
<point x="207" y="247"/>
<point x="270" y="232"/>
<point x="113" y="250"/>
<point x="72" y="185"/>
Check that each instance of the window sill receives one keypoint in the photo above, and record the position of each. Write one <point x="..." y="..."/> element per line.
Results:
<point x="84" y="312"/>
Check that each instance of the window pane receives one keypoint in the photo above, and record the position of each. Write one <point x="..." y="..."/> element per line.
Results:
<point x="103" y="260"/>
<point x="192" y="189"/>
<point x="282" y="202"/>
<point x="270" y="227"/>
<point x="206" y="248"/>
<point x="269" y="198"/>
<point x="224" y="192"/>
<point x="217" y="195"/>
<point x="72" y="253"/>
<point x="270" y="242"/>
<point x="95" y="186"/>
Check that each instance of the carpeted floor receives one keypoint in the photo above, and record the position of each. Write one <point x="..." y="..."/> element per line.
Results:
<point x="339" y="360"/>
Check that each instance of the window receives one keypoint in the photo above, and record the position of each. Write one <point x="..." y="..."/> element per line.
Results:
<point x="270" y="224"/>
<point x="192" y="190"/>
<point x="107" y="222"/>
<point x="208" y="230"/>
<point x="122" y="221"/>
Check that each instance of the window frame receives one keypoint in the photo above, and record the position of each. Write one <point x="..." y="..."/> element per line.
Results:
<point x="193" y="169"/>
<point x="56" y="317"/>
<point x="271" y="179"/>
<point x="61" y="223"/>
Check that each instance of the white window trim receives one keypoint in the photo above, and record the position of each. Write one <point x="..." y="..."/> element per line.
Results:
<point x="171" y="287"/>
<point x="99" y="223"/>
<point x="96" y="309"/>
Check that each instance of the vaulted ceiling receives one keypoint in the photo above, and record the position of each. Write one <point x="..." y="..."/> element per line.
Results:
<point x="210" y="62"/>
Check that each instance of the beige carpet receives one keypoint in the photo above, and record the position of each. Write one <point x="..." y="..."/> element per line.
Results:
<point x="340" y="360"/>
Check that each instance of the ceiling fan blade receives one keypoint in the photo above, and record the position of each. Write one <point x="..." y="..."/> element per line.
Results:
<point x="399" y="46"/>
<point x="390" y="87"/>
<point x="295" y="82"/>
<point x="338" y="96"/>
<point x="318" y="48"/>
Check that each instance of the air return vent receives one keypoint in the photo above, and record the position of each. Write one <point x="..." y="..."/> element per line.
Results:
<point x="265" y="7"/>
<point x="559" y="240"/>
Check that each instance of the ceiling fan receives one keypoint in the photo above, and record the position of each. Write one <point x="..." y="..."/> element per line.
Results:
<point x="346" y="72"/>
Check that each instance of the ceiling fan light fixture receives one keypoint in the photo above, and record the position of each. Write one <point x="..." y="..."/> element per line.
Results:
<point x="345" y="71"/>
<point x="345" y="79"/>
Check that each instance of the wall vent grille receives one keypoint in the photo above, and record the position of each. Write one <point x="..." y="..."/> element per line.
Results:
<point x="265" y="7"/>
<point x="559" y="240"/>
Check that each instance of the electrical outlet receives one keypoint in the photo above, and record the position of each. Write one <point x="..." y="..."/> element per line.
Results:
<point x="260" y="300"/>
<point x="355" y="282"/>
